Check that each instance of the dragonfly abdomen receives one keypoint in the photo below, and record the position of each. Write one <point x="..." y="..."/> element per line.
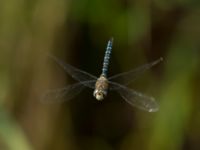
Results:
<point x="107" y="57"/>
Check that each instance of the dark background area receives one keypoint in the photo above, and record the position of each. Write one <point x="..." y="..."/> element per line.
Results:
<point x="77" y="33"/>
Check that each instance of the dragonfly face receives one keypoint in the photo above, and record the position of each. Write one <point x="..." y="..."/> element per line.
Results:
<point x="101" y="88"/>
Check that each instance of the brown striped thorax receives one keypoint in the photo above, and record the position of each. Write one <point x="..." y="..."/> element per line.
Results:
<point x="101" y="88"/>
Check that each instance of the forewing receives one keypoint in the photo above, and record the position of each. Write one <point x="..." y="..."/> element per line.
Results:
<point x="75" y="73"/>
<point x="64" y="94"/>
<point x="135" y="98"/>
<point x="127" y="77"/>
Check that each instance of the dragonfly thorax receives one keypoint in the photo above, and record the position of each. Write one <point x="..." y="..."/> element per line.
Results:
<point x="101" y="88"/>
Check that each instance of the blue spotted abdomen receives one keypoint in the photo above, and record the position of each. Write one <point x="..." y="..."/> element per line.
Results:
<point x="107" y="57"/>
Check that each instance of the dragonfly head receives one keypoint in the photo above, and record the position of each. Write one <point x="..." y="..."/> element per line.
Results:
<point x="99" y="94"/>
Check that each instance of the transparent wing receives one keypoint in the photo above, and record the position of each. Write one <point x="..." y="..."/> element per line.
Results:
<point x="75" y="73"/>
<point x="127" y="77"/>
<point x="135" y="98"/>
<point x="64" y="94"/>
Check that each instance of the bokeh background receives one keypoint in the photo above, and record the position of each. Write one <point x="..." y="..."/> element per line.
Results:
<point x="77" y="33"/>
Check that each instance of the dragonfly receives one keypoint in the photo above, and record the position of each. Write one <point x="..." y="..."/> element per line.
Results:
<point x="101" y="85"/>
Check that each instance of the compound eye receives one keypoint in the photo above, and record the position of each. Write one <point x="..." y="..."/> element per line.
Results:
<point x="99" y="96"/>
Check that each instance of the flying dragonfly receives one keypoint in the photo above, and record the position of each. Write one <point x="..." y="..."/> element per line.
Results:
<point x="103" y="84"/>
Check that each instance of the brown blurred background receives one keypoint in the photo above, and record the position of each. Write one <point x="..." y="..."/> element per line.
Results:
<point x="77" y="32"/>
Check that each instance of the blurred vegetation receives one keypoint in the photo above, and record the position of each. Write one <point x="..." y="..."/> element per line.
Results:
<point x="77" y="32"/>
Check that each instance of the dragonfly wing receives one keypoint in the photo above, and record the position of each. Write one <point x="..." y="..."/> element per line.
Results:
<point x="127" y="77"/>
<point x="64" y="94"/>
<point x="75" y="73"/>
<point x="135" y="98"/>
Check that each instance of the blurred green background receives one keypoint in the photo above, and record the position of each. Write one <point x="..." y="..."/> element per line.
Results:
<point x="77" y="32"/>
